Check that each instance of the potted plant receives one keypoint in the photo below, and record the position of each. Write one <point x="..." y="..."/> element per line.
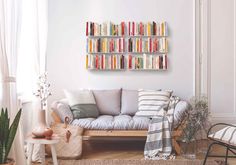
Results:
<point x="197" y="121"/>
<point x="7" y="135"/>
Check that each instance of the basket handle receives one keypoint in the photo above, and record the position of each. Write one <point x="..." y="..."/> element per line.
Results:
<point x="67" y="121"/>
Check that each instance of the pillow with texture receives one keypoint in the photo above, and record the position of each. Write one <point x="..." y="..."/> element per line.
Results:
<point x="150" y="102"/>
<point x="226" y="134"/>
<point x="108" y="101"/>
<point x="129" y="102"/>
<point x="82" y="103"/>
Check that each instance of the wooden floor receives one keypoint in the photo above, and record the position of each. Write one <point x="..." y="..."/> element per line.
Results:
<point x="117" y="149"/>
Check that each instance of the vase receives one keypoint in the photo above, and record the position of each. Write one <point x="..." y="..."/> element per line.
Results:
<point x="39" y="129"/>
<point x="189" y="149"/>
<point x="48" y="132"/>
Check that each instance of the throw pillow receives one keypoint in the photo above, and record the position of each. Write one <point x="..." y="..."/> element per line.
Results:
<point x="226" y="134"/>
<point x="151" y="102"/>
<point x="129" y="102"/>
<point x="82" y="103"/>
<point x="108" y="101"/>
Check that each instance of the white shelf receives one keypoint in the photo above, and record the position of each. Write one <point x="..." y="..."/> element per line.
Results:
<point x="105" y="69"/>
<point x="147" y="69"/>
<point x="129" y="53"/>
<point x="110" y="36"/>
<point x="144" y="36"/>
<point x="150" y="53"/>
<point x="100" y="53"/>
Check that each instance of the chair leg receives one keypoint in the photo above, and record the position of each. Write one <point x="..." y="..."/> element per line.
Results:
<point x="226" y="155"/>
<point x="209" y="148"/>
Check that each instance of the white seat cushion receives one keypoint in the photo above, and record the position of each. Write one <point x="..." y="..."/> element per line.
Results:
<point x="119" y="122"/>
<point x="227" y="135"/>
<point x="108" y="122"/>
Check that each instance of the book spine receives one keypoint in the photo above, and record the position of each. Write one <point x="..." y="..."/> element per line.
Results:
<point x="91" y="29"/>
<point x="86" y="65"/>
<point x="144" y="61"/>
<point x="129" y="61"/>
<point x="86" y="28"/>
<point x="164" y="62"/>
<point x="150" y="49"/>
<point x="133" y="27"/>
<point x="140" y="45"/>
<point x="123" y="61"/>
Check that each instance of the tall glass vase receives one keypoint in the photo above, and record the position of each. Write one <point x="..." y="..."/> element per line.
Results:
<point x="39" y="129"/>
<point x="189" y="149"/>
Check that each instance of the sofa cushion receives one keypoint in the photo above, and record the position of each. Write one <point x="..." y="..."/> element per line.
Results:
<point x="82" y="103"/>
<point x="150" y="102"/>
<point x="108" y="122"/>
<point x="108" y="101"/>
<point x="120" y="122"/>
<point x="129" y="102"/>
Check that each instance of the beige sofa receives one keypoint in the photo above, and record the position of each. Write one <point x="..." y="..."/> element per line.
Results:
<point x="117" y="118"/>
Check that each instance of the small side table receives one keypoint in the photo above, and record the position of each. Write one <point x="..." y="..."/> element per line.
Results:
<point x="42" y="141"/>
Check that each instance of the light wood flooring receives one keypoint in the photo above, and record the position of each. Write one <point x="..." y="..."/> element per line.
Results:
<point x="133" y="149"/>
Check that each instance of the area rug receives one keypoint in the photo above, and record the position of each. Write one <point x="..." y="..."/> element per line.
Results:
<point x="135" y="162"/>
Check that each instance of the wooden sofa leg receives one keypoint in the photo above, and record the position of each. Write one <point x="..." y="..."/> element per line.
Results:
<point x="176" y="147"/>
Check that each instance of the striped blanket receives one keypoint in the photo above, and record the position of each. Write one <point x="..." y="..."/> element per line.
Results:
<point x="159" y="140"/>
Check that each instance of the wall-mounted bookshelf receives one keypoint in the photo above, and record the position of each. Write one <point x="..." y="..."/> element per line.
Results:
<point x="143" y="45"/>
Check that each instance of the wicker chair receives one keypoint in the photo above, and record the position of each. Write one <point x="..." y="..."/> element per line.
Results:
<point x="225" y="137"/>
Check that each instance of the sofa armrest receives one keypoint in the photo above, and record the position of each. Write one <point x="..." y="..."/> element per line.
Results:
<point x="180" y="112"/>
<point x="60" y="110"/>
<point x="56" y="118"/>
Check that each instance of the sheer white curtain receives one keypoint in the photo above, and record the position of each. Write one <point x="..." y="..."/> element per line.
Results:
<point x="10" y="15"/>
<point x="32" y="48"/>
<point x="32" y="58"/>
<point x="23" y="40"/>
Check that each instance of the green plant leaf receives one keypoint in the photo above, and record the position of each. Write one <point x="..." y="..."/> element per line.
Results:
<point x="2" y="125"/>
<point x="12" y="132"/>
<point x="6" y="126"/>
<point x="1" y="153"/>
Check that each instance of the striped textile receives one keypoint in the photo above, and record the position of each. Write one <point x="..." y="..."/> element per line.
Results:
<point x="150" y="102"/>
<point x="159" y="140"/>
<point x="227" y="134"/>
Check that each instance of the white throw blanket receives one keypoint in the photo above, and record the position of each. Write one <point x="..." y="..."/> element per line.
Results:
<point x="159" y="139"/>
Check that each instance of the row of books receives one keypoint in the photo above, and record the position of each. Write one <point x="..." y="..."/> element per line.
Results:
<point x="105" y="62"/>
<point x="105" y="45"/>
<point x="133" y="28"/>
<point x="147" y="29"/>
<point x="105" y="29"/>
<point x="147" y="45"/>
<point x="147" y="62"/>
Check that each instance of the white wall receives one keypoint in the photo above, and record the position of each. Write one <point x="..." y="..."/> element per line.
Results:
<point x="67" y="44"/>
